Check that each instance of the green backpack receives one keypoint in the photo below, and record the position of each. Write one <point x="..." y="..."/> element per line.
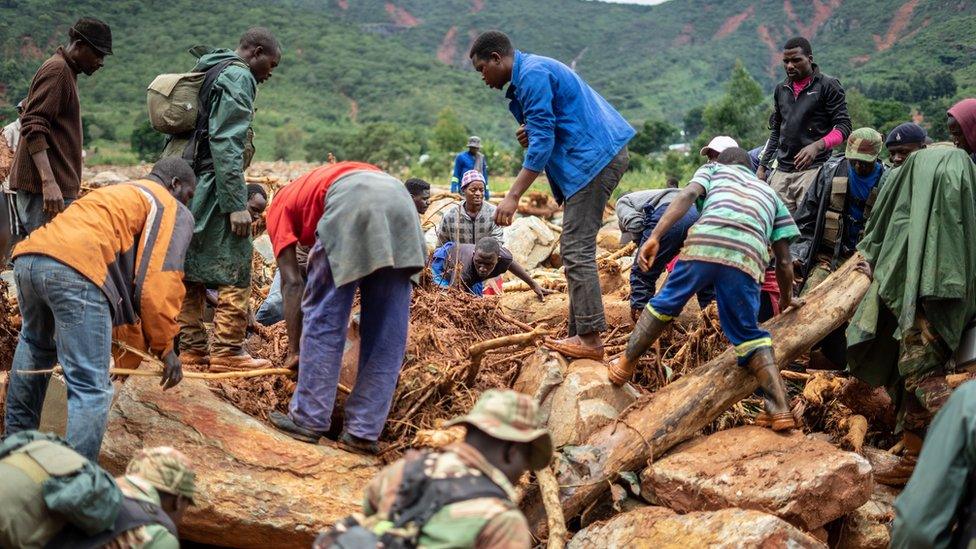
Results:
<point x="79" y="491"/>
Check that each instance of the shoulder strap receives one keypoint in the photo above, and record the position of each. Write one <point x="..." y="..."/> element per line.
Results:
<point x="431" y="495"/>
<point x="201" y="131"/>
<point x="133" y="514"/>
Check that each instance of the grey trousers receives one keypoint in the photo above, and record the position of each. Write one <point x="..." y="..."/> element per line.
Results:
<point x="582" y="219"/>
<point x="30" y="208"/>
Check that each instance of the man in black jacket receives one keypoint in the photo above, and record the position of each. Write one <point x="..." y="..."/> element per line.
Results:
<point x="832" y="217"/>
<point x="809" y="118"/>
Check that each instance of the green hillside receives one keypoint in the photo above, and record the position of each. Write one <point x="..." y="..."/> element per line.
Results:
<point x="377" y="73"/>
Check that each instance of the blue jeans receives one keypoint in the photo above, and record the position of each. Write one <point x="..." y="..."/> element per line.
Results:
<point x="643" y="285"/>
<point x="30" y="208"/>
<point x="272" y="311"/>
<point x="384" y="319"/>
<point x="66" y="319"/>
<point x="737" y="294"/>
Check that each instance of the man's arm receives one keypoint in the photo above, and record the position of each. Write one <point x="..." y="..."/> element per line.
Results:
<point x="676" y="210"/>
<point x="769" y="153"/>
<point x="47" y="96"/>
<point x="456" y="176"/>
<point x="292" y="290"/>
<point x="230" y="118"/>
<point x="536" y="96"/>
<point x="445" y="228"/>
<point x="484" y="173"/>
<point x="507" y="530"/>
<point x="835" y="101"/>
<point x="784" y="273"/>
<point x="524" y="276"/>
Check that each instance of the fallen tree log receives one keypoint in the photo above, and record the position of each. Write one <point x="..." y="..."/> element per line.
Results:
<point x="680" y="410"/>
<point x="255" y="486"/>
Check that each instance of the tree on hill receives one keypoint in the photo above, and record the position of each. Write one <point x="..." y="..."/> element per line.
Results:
<point x="741" y="113"/>
<point x="653" y="136"/>
<point x="449" y="133"/>
<point x="146" y="142"/>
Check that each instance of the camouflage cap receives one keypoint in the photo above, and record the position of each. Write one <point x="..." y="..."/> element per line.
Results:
<point x="864" y="144"/>
<point x="167" y="469"/>
<point x="512" y="416"/>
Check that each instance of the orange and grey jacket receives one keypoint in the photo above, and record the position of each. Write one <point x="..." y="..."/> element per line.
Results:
<point x="129" y="240"/>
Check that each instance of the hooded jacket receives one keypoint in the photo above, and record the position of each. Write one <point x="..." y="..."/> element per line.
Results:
<point x="130" y="241"/>
<point x="801" y="120"/>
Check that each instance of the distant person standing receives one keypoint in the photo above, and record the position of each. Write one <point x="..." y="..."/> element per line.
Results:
<point x="471" y="159"/>
<point x="220" y="253"/>
<point x="809" y="119"/>
<point x="580" y="140"/>
<point x="47" y="169"/>
<point x="9" y="220"/>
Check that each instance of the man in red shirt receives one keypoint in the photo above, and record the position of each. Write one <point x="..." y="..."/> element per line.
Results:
<point x="365" y="234"/>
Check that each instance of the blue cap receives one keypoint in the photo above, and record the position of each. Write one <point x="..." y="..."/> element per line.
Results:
<point x="907" y="133"/>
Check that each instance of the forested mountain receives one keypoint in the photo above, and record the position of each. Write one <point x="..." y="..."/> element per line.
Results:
<point x="367" y="72"/>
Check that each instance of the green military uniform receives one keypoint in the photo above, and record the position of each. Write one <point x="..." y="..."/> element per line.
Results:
<point x="926" y="511"/>
<point x="150" y="536"/>
<point x="918" y="242"/>
<point x="216" y="256"/>
<point x="482" y="522"/>
<point x="150" y="472"/>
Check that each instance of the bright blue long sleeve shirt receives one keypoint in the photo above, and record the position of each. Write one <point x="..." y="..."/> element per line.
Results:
<point x="573" y="132"/>
<point x="463" y="162"/>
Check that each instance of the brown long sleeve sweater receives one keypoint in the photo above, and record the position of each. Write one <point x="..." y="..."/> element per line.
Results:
<point x="52" y="121"/>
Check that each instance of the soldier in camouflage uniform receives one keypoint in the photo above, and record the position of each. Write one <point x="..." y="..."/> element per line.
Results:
<point x="504" y="439"/>
<point x="161" y="477"/>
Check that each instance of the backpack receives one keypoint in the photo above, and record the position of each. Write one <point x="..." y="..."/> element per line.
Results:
<point x="81" y="492"/>
<point x="419" y="498"/>
<point x="179" y="105"/>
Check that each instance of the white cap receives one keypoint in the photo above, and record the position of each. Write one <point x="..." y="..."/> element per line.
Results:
<point x="718" y="144"/>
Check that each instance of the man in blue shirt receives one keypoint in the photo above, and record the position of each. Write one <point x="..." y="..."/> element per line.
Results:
<point x="580" y="141"/>
<point x="471" y="159"/>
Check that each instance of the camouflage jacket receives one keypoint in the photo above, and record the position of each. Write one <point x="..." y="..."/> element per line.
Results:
<point x="149" y="536"/>
<point x="476" y="523"/>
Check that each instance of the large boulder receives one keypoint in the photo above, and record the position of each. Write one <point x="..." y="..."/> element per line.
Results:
<point x="531" y="241"/>
<point x="255" y="486"/>
<point x="663" y="528"/>
<point x="609" y="238"/>
<point x="584" y="402"/>
<point x="804" y="481"/>
<point x="526" y="307"/>
<point x="869" y="526"/>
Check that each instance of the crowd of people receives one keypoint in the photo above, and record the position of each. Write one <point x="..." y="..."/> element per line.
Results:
<point x="133" y="267"/>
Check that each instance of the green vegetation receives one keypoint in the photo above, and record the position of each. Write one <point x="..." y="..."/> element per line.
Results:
<point x="389" y="82"/>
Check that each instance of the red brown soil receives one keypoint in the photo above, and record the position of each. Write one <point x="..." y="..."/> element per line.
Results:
<point x="447" y="51"/>
<point x="401" y="16"/>
<point x="684" y="38"/>
<point x="901" y="20"/>
<point x="733" y="23"/>
<point x="808" y="26"/>
<point x="477" y="5"/>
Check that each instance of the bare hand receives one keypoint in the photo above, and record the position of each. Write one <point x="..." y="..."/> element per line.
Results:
<point x="523" y="138"/>
<point x="53" y="199"/>
<point x="506" y="211"/>
<point x="807" y="155"/>
<point x="240" y="223"/>
<point x="291" y="362"/>
<point x="172" y="371"/>
<point x="647" y="253"/>
<point x="865" y="268"/>
<point x="787" y="300"/>
<point x="541" y="292"/>
<point x="761" y="173"/>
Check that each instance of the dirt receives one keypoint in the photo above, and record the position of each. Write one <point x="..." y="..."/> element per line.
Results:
<point x="447" y="51"/>
<point x="9" y="327"/>
<point x="901" y="20"/>
<point x="733" y="23"/>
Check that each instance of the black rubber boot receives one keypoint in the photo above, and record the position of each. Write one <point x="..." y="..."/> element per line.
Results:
<point x="648" y="329"/>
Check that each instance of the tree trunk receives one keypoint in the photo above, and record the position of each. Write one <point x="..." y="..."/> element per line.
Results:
<point x="255" y="486"/>
<point x="680" y="410"/>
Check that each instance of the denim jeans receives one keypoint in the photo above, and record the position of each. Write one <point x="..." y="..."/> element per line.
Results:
<point x="582" y="219"/>
<point x="643" y="285"/>
<point x="383" y="324"/>
<point x="272" y="311"/>
<point x="30" y="208"/>
<point x="66" y="319"/>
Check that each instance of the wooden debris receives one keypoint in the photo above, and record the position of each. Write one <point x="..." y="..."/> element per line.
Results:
<point x="549" y="488"/>
<point x="857" y="429"/>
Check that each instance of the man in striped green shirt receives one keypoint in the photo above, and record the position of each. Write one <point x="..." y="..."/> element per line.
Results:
<point x="728" y="247"/>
